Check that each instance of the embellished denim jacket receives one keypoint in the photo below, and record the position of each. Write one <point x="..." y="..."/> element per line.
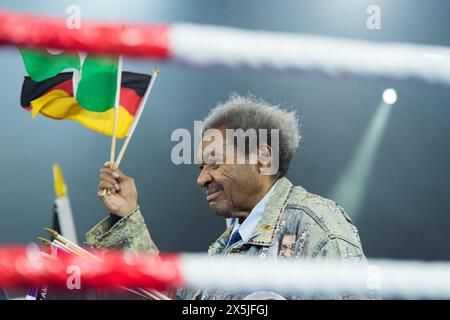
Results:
<point x="296" y="224"/>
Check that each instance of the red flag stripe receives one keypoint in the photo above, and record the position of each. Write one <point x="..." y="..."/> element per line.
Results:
<point x="129" y="99"/>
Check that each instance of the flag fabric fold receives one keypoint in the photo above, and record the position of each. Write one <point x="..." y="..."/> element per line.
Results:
<point x="97" y="88"/>
<point x="41" y="64"/>
<point x="88" y="94"/>
<point x="54" y="98"/>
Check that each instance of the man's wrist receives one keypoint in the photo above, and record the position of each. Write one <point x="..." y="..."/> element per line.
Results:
<point x="126" y="212"/>
<point x="113" y="219"/>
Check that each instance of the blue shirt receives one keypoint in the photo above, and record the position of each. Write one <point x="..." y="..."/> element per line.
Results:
<point x="246" y="228"/>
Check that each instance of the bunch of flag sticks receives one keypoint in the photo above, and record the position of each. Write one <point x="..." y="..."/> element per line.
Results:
<point x="61" y="243"/>
<point x="130" y="132"/>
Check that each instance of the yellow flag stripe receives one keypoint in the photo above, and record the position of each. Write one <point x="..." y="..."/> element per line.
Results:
<point x="58" y="104"/>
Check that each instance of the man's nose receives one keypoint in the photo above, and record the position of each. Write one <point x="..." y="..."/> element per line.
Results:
<point x="203" y="178"/>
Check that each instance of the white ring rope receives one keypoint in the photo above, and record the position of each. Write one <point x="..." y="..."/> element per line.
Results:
<point x="208" y="45"/>
<point x="384" y="278"/>
<point x="203" y="45"/>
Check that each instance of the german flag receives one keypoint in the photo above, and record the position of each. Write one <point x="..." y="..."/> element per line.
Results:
<point x="54" y="98"/>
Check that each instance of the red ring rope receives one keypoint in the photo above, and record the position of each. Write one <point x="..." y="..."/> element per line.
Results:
<point x="34" y="31"/>
<point x="22" y="267"/>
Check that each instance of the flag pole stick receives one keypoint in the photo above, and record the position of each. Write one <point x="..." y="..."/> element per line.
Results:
<point x="116" y="118"/>
<point x="138" y="117"/>
<point x="116" y="111"/>
<point x="122" y="151"/>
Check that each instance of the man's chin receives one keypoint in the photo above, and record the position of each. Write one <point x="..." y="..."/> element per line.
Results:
<point x="220" y="211"/>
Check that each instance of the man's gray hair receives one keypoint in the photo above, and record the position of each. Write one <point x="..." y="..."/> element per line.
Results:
<point x="249" y="112"/>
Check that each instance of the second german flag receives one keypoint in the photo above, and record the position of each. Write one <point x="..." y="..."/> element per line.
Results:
<point x="54" y="98"/>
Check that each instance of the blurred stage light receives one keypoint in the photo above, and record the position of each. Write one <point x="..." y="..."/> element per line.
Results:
<point x="351" y="188"/>
<point x="390" y="96"/>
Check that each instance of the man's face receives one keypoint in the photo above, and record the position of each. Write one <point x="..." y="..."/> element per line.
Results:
<point x="230" y="188"/>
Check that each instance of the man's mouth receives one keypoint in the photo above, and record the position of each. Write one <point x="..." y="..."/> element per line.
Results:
<point x="212" y="195"/>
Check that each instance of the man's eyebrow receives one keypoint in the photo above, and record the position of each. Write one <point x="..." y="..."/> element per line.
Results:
<point x="201" y="158"/>
<point x="206" y="157"/>
<point x="209" y="158"/>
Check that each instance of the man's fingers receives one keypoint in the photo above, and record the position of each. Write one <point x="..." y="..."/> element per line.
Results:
<point x="105" y="185"/>
<point x="119" y="175"/>
<point x="113" y="171"/>
<point x="111" y="178"/>
<point x="108" y="178"/>
<point x="108" y="164"/>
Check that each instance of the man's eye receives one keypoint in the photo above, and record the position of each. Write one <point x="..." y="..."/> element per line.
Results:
<point x="214" y="163"/>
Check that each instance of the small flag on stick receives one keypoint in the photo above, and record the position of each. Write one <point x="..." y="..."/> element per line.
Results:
<point x="63" y="220"/>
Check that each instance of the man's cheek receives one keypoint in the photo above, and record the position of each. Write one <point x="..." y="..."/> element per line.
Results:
<point x="226" y="195"/>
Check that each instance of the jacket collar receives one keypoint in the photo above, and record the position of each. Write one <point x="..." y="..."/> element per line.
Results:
<point x="265" y="230"/>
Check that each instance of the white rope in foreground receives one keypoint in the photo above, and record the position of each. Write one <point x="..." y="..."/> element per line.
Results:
<point x="384" y="278"/>
<point x="234" y="48"/>
<point x="300" y="277"/>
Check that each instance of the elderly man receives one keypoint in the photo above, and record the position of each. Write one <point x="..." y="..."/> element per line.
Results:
<point x="273" y="218"/>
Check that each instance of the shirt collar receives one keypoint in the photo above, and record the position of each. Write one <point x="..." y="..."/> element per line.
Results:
<point x="246" y="228"/>
<point x="264" y="233"/>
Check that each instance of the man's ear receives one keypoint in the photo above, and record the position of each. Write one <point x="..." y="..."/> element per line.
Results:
<point x="264" y="156"/>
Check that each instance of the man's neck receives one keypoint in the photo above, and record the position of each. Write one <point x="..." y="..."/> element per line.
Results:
<point x="242" y="215"/>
